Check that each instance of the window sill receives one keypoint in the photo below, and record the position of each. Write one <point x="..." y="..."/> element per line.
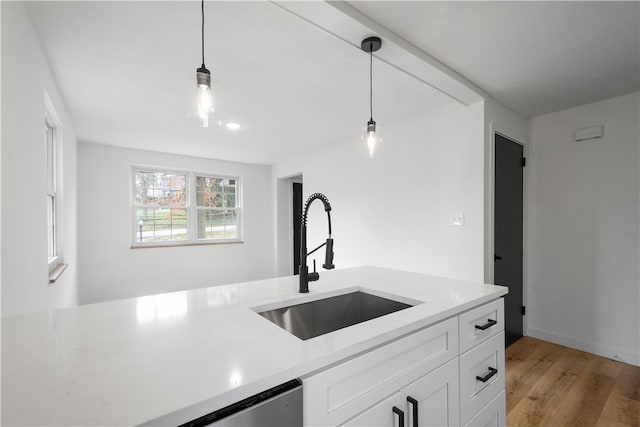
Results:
<point x="172" y="245"/>
<point x="57" y="272"/>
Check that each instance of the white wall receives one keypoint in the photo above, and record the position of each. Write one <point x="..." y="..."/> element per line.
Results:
<point x="110" y="269"/>
<point x="394" y="211"/>
<point x="25" y="78"/>
<point x="583" y="233"/>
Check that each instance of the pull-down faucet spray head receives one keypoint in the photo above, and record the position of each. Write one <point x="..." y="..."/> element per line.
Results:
<point x="328" y="255"/>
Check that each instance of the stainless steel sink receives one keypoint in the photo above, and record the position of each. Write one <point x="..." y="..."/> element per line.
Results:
<point x="326" y="315"/>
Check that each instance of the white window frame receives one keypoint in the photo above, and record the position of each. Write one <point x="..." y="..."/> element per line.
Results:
<point x="52" y="148"/>
<point x="190" y="206"/>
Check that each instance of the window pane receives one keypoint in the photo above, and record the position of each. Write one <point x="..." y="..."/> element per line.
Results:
<point x="51" y="235"/>
<point x="209" y="192"/>
<point x="161" y="188"/>
<point x="51" y="191"/>
<point x="217" y="224"/>
<point x="144" y="187"/>
<point x="51" y="159"/>
<point x="230" y="194"/>
<point x="230" y="200"/>
<point x="161" y="225"/>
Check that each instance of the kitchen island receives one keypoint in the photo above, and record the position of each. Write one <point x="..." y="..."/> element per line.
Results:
<point x="170" y="358"/>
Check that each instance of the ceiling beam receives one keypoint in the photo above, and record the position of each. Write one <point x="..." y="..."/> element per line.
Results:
<point x="343" y="21"/>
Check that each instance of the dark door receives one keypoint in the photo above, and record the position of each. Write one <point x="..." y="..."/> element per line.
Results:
<point x="508" y="219"/>
<point x="297" y="216"/>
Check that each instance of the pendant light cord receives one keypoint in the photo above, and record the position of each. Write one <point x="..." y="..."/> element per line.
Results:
<point x="371" y="80"/>
<point x="202" y="7"/>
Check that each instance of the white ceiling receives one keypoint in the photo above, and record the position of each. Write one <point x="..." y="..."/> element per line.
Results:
<point x="127" y="73"/>
<point x="533" y="56"/>
<point x="126" y="69"/>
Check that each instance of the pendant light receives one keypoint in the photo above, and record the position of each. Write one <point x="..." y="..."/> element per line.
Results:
<point x="204" y="100"/>
<point x="371" y="134"/>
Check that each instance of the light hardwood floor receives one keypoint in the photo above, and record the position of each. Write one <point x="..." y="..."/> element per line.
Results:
<point x="551" y="385"/>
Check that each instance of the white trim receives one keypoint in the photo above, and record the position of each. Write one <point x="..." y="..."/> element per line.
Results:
<point x="298" y="180"/>
<point x="284" y="222"/>
<point x="489" y="261"/>
<point x="52" y="121"/>
<point x="51" y="116"/>
<point x="600" y="350"/>
<point x="53" y="263"/>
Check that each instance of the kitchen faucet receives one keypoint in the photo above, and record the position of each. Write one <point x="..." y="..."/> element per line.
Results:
<point x="305" y="276"/>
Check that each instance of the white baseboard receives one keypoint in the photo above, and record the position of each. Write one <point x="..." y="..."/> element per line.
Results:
<point x="600" y="350"/>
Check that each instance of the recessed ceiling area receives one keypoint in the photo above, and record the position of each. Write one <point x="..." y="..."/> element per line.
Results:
<point x="127" y="73"/>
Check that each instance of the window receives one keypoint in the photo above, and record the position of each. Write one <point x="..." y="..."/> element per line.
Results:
<point x="54" y="218"/>
<point x="180" y="207"/>
<point x="55" y="209"/>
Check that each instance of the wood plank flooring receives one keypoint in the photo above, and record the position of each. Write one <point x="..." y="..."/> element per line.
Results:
<point x="551" y="385"/>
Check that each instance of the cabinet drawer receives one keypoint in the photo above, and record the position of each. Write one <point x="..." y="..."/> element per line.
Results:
<point x="486" y="362"/>
<point x="337" y="394"/>
<point x="492" y="415"/>
<point x="481" y="323"/>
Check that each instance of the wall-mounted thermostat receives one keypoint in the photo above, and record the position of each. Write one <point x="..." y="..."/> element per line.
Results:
<point x="588" y="134"/>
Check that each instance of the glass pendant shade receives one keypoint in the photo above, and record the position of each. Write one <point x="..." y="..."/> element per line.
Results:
<point x="204" y="99"/>
<point x="371" y="133"/>
<point x="372" y="139"/>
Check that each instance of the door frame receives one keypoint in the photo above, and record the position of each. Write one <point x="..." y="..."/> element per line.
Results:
<point x="284" y="223"/>
<point x="490" y="212"/>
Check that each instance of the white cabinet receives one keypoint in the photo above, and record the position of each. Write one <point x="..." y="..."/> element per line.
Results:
<point x="339" y="393"/>
<point x="481" y="323"/>
<point x="432" y="400"/>
<point x="493" y="415"/>
<point x="436" y="395"/>
<point x="482" y="369"/>
<point x="381" y="414"/>
<point x="481" y="376"/>
<point x="426" y="371"/>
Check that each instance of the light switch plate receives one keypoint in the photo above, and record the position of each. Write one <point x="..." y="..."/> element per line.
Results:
<point x="456" y="219"/>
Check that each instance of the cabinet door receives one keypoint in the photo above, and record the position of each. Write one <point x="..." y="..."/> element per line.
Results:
<point x="381" y="414"/>
<point x="437" y="402"/>
<point x="340" y="393"/>
<point x="437" y="398"/>
<point x="493" y="415"/>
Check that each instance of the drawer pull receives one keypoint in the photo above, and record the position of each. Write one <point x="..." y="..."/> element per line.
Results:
<point x="492" y="372"/>
<point x="400" y="415"/>
<point x="414" y="407"/>
<point x="490" y="323"/>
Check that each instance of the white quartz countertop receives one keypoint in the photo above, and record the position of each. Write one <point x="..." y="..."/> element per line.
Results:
<point x="167" y="359"/>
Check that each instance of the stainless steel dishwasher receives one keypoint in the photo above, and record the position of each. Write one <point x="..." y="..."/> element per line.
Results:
<point x="279" y="406"/>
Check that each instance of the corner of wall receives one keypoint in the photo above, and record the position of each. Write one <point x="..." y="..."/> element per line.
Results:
<point x="25" y="283"/>
<point x="584" y="228"/>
